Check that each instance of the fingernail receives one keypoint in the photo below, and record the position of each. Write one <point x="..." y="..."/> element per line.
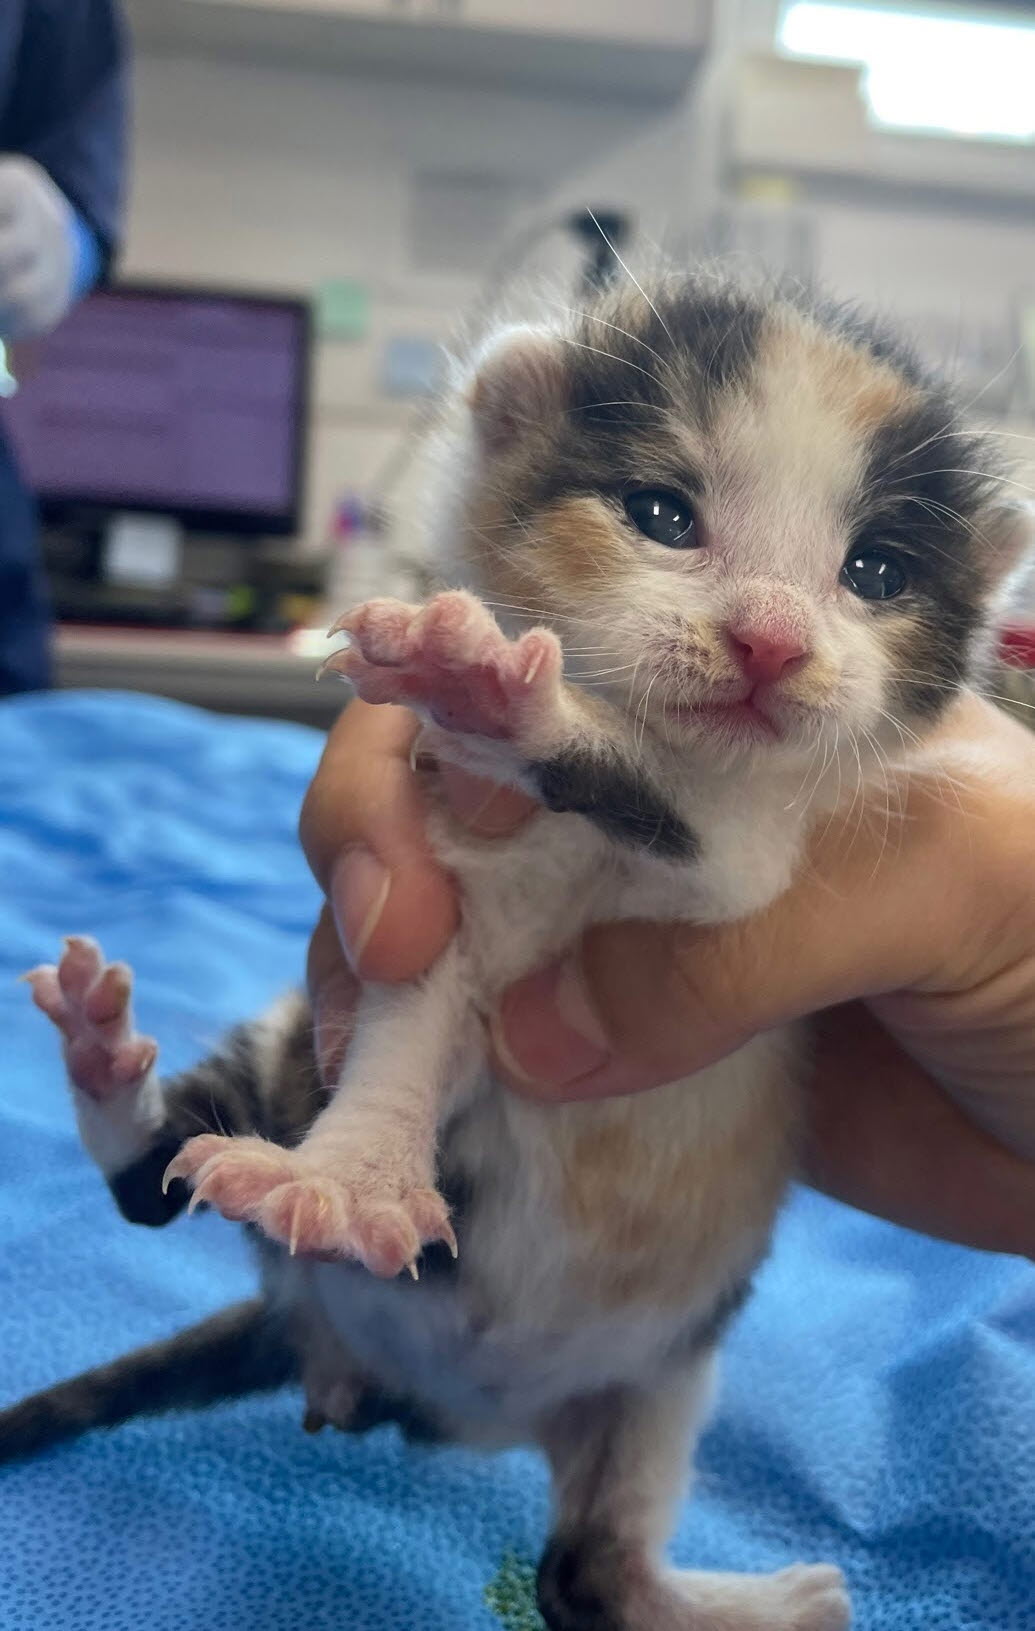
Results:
<point x="546" y="1032"/>
<point x="359" y="891"/>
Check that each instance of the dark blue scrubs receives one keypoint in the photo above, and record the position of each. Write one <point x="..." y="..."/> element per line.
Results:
<point x="63" y="103"/>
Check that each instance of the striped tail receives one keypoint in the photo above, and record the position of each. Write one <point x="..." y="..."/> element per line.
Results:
<point x="240" y="1350"/>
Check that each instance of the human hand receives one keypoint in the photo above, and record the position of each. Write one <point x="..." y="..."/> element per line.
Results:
<point x="922" y="1109"/>
<point x="923" y="1091"/>
<point x="37" y="250"/>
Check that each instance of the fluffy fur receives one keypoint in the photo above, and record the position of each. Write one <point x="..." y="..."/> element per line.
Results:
<point x="577" y="1265"/>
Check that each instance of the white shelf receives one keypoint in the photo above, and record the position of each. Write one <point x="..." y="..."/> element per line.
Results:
<point x="560" y="47"/>
<point x="230" y="673"/>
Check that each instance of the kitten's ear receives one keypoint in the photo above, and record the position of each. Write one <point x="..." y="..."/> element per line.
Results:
<point x="1008" y="540"/>
<point x="518" y="385"/>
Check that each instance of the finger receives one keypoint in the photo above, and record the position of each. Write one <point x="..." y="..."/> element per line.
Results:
<point x="484" y="808"/>
<point x="363" y="832"/>
<point x="635" y="1004"/>
<point x="17" y="258"/>
<point x="885" y="1138"/>
<point x="334" y="993"/>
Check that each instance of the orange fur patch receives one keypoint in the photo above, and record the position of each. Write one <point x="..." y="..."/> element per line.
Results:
<point x="661" y="1218"/>
<point x="578" y="543"/>
<point x="847" y="381"/>
<point x="813" y="683"/>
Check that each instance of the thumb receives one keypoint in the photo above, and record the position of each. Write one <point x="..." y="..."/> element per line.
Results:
<point x="633" y="1005"/>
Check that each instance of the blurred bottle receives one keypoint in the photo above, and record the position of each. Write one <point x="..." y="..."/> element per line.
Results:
<point x="343" y="546"/>
<point x="361" y="561"/>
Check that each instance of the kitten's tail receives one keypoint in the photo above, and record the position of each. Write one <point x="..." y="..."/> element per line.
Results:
<point x="240" y="1350"/>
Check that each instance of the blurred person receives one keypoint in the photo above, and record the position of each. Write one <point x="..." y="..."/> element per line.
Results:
<point x="62" y="161"/>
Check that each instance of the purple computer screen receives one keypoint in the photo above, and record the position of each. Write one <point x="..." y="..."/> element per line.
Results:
<point x="163" y="401"/>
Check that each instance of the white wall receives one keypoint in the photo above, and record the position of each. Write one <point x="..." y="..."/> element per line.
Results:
<point x="278" y="178"/>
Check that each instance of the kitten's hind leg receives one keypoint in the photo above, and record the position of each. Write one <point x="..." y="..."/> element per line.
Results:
<point x="620" y="1462"/>
<point x="262" y="1080"/>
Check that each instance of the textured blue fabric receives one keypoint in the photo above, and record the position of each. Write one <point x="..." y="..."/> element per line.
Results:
<point x="879" y="1406"/>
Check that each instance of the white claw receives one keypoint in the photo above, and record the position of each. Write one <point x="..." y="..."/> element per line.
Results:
<point x="177" y="1168"/>
<point x="169" y="1174"/>
<point x="328" y="665"/>
<point x="412" y="1268"/>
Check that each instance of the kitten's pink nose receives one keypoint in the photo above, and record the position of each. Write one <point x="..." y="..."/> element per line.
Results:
<point x="766" y="655"/>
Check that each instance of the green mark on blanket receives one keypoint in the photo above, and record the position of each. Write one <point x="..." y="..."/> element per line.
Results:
<point x="511" y="1596"/>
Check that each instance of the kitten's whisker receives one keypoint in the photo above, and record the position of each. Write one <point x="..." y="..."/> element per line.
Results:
<point x="988" y="475"/>
<point x="808" y="768"/>
<point x="581" y="345"/>
<point x="630" y="276"/>
<point x="644" y="705"/>
<point x="1007" y="365"/>
<point x="628" y="402"/>
<point x="591" y="317"/>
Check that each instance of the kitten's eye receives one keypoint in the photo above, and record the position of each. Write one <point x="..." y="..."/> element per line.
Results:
<point x="873" y="574"/>
<point x="664" y="517"/>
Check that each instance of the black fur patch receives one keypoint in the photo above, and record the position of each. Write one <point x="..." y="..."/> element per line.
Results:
<point x="138" y="1188"/>
<point x="634" y="376"/>
<point x="224" y="1094"/>
<point x="615" y="799"/>
<point x="926" y="494"/>
<point x="863" y="331"/>
<point x="437" y="1261"/>
<point x="220" y="1094"/>
<point x="693" y="343"/>
<point x="576" y="1581"/>
<point x="377" y="1409"/>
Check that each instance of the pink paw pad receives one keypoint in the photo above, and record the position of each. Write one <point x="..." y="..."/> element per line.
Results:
<point x="232" y="1174"/>
<point x="308" y="1214"/>
<point x="313" y="1212"/>
<point x="90" y="1002"/>
<point x="451" y="659"/>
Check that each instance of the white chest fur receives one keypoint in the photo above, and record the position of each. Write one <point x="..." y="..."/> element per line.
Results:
<point x="595" y="1239"/>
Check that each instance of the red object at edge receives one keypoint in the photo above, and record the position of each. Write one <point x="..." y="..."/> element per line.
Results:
<point x="1017" y="645"/>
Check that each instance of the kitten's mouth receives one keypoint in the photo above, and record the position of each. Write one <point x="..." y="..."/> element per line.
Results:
<point x="743" y="720"/>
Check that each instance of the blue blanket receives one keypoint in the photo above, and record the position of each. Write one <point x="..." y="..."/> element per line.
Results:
<point x="879" y="1407"/>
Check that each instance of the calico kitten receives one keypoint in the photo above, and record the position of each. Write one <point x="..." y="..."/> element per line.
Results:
<point x="742" y="553"/>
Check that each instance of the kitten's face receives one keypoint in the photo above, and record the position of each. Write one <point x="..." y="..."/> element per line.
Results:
<point x="759" y="532"/>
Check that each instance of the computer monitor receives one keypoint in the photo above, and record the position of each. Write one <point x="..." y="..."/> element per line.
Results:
<point x="190" y="403"/>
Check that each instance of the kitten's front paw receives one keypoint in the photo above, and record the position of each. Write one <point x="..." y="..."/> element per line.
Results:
<point x="90" y="1002"/>
<point x="314" y="1204"/>
<point x="451" y="659"/>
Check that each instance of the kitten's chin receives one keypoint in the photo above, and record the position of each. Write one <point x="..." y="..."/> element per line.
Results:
<point x="742" y="731"/>
<point x="741" y="723"/>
